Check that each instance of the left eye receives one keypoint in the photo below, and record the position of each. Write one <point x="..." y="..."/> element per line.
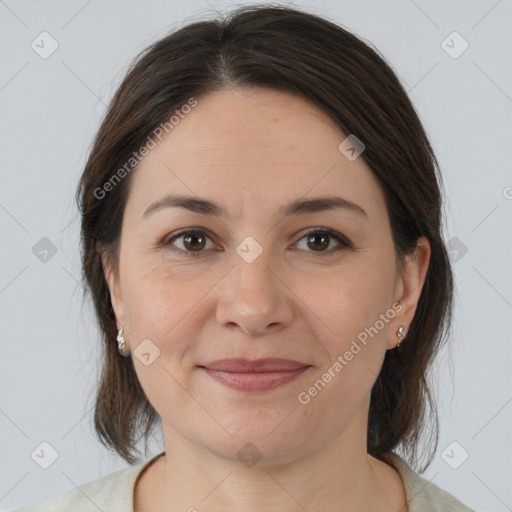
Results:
<point x="193" y="242"/>
<point x="322" y="238"/>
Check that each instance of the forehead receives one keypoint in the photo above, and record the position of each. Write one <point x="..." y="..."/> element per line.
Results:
<point x="259" y="144"/>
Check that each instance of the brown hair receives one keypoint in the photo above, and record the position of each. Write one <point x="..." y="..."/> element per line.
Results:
<point x="300" y="53"/>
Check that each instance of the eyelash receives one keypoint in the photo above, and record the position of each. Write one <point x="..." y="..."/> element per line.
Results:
<point x="325" y="231"/>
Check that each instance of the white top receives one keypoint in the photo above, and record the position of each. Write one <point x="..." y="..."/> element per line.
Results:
<point x="114" y="493"/>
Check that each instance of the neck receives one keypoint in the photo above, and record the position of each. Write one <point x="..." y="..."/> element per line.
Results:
<point x="334" y="477"/>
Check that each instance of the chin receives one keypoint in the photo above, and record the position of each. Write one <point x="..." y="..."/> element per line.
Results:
<point x="259" y="443"/>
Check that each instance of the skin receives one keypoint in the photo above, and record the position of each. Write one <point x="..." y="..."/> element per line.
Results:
<point x="255" y="150"/>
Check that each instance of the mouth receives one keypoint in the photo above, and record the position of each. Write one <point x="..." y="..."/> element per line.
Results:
<point x="257" y="375"/>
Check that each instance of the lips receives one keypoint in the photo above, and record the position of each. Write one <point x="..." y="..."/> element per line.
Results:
<point x="240" y="365"/>
<point x="253" y="376"/>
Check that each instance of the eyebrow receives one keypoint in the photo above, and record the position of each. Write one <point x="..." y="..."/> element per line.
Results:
<point x="297" y="207"/>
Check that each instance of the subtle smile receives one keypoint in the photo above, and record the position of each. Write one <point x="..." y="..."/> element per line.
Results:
<point x="259" y="375"/>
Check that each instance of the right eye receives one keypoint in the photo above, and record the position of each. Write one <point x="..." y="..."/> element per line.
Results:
<point x="193" y="242"/>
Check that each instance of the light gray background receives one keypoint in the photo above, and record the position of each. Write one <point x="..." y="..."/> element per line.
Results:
<point x="50" y="110"/>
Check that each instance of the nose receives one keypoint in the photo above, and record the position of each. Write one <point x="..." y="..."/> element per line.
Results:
<point x="255" y="299"/>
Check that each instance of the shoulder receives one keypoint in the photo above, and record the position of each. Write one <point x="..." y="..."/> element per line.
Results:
<point x="113" y="492"/>
<point x="422" y="495"/>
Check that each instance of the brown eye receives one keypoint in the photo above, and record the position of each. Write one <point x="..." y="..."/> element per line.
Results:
<point x="318" y="240"/>
<point x="192" y="243"/>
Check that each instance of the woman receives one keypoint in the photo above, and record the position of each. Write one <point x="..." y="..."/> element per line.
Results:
<point x="261" y="237"/>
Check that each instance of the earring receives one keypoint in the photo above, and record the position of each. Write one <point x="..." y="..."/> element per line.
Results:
<point x="400" y="334"/>
<point x="120" y="344"/>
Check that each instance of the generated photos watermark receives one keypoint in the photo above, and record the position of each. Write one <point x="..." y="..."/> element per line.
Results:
<point x="305" y="397"/>
<point x="138" y="156"/>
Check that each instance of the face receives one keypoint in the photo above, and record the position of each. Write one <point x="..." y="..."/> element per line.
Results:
<point x="254" y="280"/>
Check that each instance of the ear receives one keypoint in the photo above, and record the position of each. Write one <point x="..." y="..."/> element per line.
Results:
<point x="408" y="288"/>
<point x="115" y="292"/>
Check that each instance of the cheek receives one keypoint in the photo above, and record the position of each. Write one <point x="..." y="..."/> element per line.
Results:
<point x="349" y="302"/>
<point x="158" y="309"/>
<point x="352" y="334"/>
<point x="156" y="306"/>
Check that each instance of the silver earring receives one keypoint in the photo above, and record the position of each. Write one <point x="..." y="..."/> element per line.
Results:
<point x="400" y="334"/>
<point x="120" y="344"/>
